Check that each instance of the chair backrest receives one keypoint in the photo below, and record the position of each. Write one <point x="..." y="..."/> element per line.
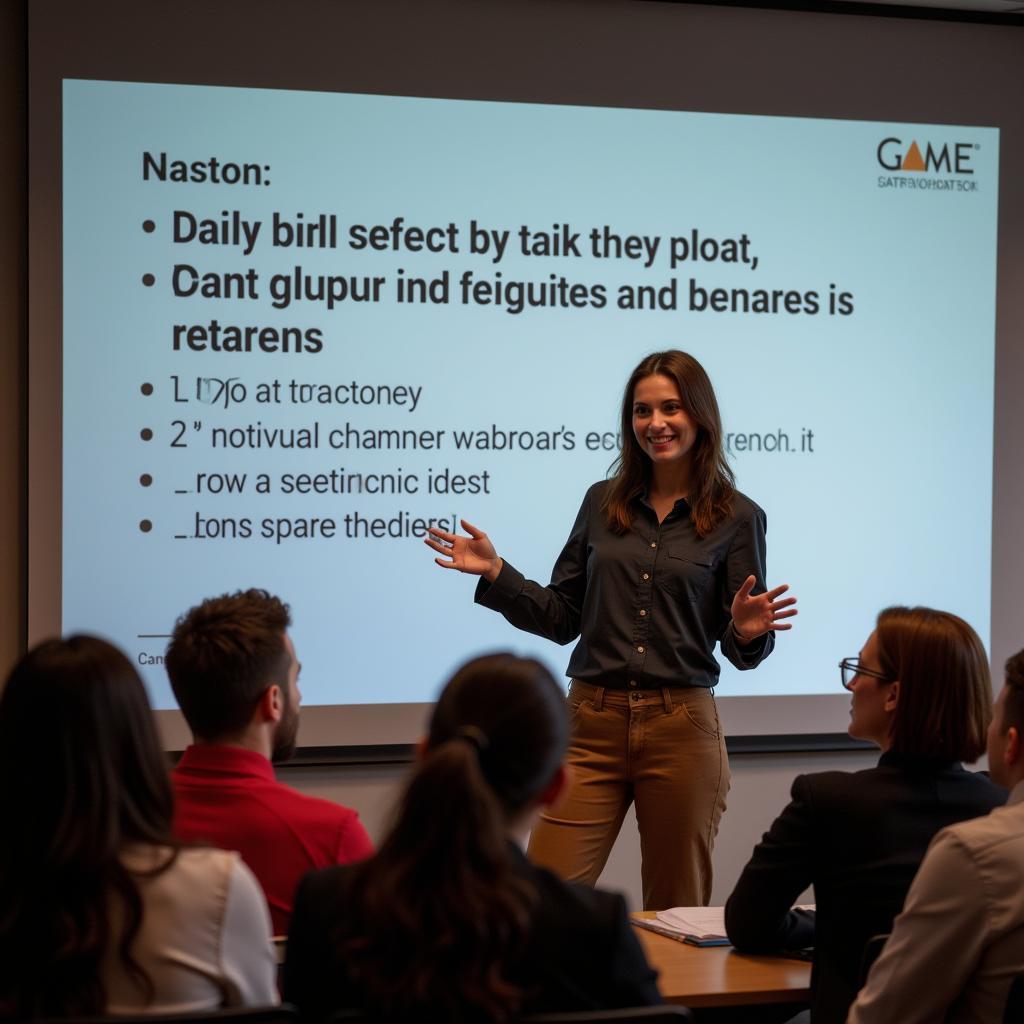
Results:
<point x="667" y="1014"/>
<point x="1014" y="1012"/>
<point x="283" y="1014"/>
<point x="871" y="950"/>
<point x="633" y="1015"/>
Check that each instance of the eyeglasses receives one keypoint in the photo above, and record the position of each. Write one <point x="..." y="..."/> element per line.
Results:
<point x="850" y="668"/>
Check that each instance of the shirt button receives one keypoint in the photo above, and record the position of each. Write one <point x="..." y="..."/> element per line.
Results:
<point x="639" y="650"/>
<point x="635" y="696"/>
<point x="653" y="545"/>
<point x="647" y="576"/>
<point x="632" y="682"/>
<point x="643" y="612"/>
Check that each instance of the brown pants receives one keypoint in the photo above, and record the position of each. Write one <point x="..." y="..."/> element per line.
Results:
<point x="662" y="749"/>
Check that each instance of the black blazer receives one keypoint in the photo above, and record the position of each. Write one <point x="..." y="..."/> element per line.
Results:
<point x="858" y="837"/>
<point x="582" y="953"/>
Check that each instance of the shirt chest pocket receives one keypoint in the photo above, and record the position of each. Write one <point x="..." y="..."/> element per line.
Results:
<point x="684" y="574"/>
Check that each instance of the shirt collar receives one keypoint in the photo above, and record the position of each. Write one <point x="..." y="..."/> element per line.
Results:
<point x="681" y="505"/>
<point x="217" y="759"/>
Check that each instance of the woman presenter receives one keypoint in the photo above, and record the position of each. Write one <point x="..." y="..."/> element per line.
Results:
<point x="665" y="559"/>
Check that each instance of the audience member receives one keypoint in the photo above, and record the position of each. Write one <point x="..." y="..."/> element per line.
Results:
<point x="100" y="910"/>
<point x="449" y="917"/>
<point x="920" y="691"/>
<point x="959" y="943"/>
<point x="234" y="672"/>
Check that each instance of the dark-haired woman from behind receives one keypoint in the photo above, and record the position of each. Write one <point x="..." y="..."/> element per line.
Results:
<point x="100" y="911"/>
<point x="449" y="916"/>
<point x="920" y="689"/>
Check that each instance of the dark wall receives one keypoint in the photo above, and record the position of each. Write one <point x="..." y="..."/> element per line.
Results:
<point x="13" y="327"/>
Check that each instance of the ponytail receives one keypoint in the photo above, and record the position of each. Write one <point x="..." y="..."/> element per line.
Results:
<point x="441" y="914"/>
<point x="441" y="910"/>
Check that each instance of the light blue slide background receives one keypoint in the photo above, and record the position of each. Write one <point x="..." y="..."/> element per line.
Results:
<point x="894" y="506"/>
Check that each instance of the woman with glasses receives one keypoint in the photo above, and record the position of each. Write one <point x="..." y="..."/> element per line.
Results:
<point x="920" y="690"/>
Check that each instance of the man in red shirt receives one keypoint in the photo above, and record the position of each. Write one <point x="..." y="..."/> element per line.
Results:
<point x="234" y="672"/>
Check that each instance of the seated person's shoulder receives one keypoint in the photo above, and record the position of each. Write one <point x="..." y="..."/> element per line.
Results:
<point x="323" y="888"/>
<point x="569" y="906"/>
<point x="322" y="898"/>
<point x="823" y="788"/>
<point x="316" y="806"/>
<point x="315" y="815"/>
<point x="203" y="864"/>
<point x="869" y="786"/>
<point x="990" y="791"/>
<point x="829" y="794"/>
<point x="326" y="883"/>
<point x="193" y="880"/>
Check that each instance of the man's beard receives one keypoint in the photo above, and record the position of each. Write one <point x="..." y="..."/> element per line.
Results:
<point x="286" y="734"/>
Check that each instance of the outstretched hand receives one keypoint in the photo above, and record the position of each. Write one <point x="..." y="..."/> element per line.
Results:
<point x="752" y="616"/>
<point x="474" y="554"/>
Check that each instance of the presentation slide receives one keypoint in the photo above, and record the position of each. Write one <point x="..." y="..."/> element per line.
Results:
<point x="299" y="328"/>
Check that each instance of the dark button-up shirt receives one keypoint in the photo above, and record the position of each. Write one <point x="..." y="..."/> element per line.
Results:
<point x="648" y="606"/>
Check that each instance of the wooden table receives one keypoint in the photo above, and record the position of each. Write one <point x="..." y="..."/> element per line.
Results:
<point x="719" y="976"/>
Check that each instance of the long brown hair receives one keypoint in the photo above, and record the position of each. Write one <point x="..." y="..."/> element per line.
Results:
<point x="713" y="482"/>
<point x="945" y="697"/>
<point x="81" y="775"/>
<point x="439" y="914"/>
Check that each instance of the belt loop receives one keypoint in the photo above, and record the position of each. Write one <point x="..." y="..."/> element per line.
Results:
<point x="666" y="697"/>
<point x="598" y="698"/>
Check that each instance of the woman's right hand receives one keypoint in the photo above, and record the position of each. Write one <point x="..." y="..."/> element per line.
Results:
<point x="474" y="554"/>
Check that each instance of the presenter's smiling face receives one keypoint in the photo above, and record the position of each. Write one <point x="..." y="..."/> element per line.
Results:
<point x="661" y="425"/>
<point x="872" y="701"/>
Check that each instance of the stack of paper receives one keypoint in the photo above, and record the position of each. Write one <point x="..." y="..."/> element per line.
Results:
<point x="699" y="926"/>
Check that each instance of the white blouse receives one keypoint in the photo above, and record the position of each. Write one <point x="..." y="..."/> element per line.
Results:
<point x="204" y="940"/>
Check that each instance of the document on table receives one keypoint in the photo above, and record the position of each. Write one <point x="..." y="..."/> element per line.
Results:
<point x="699" y="926"/>
<point x="702" y="922"/>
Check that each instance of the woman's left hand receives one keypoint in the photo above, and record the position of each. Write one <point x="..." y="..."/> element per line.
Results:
<point x="752" y="616"/>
